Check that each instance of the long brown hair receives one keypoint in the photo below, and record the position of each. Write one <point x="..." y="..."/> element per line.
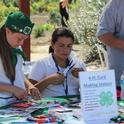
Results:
<point x="6" y="55"/>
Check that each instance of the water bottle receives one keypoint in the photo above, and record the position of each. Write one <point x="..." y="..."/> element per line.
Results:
<point x="122" y="85"/>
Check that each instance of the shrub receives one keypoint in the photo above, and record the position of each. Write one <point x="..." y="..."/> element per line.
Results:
<point x="9" y="3"/>
<point x="38" y="31"/>
<point x="54" y="17"/>
<point x="83" y="22"/>
<point x="4" y="11"/>
<point x="38" y="7"/>
<point x="43" y="6"/>
<point x="48" y="27"/>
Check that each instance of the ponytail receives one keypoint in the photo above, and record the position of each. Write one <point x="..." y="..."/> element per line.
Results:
<point x="51" y="50"/>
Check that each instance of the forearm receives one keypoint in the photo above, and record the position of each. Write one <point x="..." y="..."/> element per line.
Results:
<point x="42" y="84"/>
<point x="16" y="91"/>
<point x="53" y="79"/>
<point x="112" y="41"/>
<point x="6" y="88"/>
<point x="27" y="83"/>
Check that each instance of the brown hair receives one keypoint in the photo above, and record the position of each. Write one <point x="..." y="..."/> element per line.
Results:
<point x="60" y="32"/>
<point x="6" y="55"/>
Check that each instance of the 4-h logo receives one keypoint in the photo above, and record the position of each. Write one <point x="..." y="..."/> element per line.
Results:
<point x="27" y="30"/>
<point x="106" y="98"/>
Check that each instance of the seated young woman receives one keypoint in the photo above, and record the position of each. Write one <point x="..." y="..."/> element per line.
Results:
<point x="57" y="74"/>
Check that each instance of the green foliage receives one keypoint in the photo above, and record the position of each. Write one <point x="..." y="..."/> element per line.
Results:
<point x="83" y="22"/>
<point x="38" y="7"/>
<point x="48" y="27"/>
<point x="40" y="29"/>
<point x="9" y="3"/>
<point x="54" y="17"/>
<point x="53" y="6"/>
<point x="43" y="6"/>
<point x="4" y="11"/>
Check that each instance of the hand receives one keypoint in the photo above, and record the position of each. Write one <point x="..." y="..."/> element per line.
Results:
<point x="75" y="71"/>
<point x="57" y="78"/>
<point x="19" y="93"/>
<point x="34" y="92"/>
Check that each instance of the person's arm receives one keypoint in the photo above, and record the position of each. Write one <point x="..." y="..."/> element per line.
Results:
<point x="109" y="24"/>
<point x="54" y="79"/>
<point x="112" y="41"/>
<point x="64" y="3"/>
<point x="6" y="88"/>
<point x="16" y="91"/>
<point x="32" y="90"/>
<point x="41" y="85"/>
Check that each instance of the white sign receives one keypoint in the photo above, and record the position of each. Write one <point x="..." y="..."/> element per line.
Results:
<point x="98" y="95"/>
